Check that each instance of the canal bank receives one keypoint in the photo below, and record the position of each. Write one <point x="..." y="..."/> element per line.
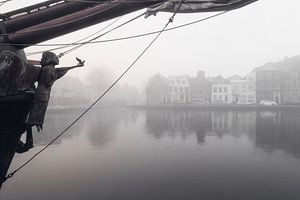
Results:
<point x="218" y="107"/>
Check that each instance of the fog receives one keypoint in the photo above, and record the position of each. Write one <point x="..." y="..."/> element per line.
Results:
<point x="233" y="43"/>
<point x="242" y="142"/>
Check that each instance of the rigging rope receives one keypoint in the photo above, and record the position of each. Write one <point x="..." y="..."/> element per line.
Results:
<point x="125" y="38"/>
<point x="99" y="31"/>
<point x="73" y="43"/>
<point x="10" y="175"/>
<point x="87" y="42"/>
<point x="3" y="2"/>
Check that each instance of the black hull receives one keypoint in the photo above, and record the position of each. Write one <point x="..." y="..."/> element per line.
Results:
<point x="8" y="144"/>
<point x="13" y="112"/>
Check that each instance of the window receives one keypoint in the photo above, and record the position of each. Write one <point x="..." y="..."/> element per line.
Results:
<point x="250" y="87"/>
<point x="175" y="89"/>
<point x="181" y="89"/>
<point x="181" y="97"/>
<point x="236" y="88"/>
<point x="276" y="85"/>
<point x="268" y="85"/>
<point x="226" y="98"/>
<point x="225" y="89"/>
<point x="268" y="75"/>
<point x="276" y="75"/>
<point x="294" y="84"/>
<point x="215" y="89"/>
<point x="294" y="75"/>
<point x="215" y="98"/>
<point x="243" y="98"/>
<point x="244" y="87"/>
<point x="260" y="85"/>
<point x="289" y="84"/>
<point x="260" y="75"/>
<point x="187" y="99"/>
<point x="186" y="89"/>
<point x="220" y="89"/>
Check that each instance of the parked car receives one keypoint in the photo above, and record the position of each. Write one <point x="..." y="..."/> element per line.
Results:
<point x="267" y="103"/>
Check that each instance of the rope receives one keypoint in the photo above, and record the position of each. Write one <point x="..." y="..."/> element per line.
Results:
<point x="81" y="44"/>
<point x="3" y="2"/>
<point x="128" y="37"/>
<point x="71" y="44"/>
<point x="10" y="175"/>
<point x="87" y="42"/>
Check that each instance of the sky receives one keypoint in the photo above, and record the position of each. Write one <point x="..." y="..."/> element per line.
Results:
<point x="233" y="43"/>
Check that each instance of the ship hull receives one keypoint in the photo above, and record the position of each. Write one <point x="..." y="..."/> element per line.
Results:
<point x="14" y="110"/>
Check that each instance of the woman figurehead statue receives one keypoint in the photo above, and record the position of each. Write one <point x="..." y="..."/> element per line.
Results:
<point x="49" y="58"/>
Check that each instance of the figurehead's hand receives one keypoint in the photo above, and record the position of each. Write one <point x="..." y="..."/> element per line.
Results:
<point x="80" y="62"/>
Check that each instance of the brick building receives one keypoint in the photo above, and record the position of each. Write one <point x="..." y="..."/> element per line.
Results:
<point x="157" y="90"/>
<point x="200" y="89"/>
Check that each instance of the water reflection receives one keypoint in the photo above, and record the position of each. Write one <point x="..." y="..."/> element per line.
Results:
<point x="100" y="126"/>
<point x="54" y="124"/>
<point x="279" y="130"/>
<point x="269" y="130"/>
<point x="125" y="154"/>
<point x="201" y="123"/>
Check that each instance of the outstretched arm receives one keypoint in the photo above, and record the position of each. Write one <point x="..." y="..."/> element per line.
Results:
<point x="60" y="72"/>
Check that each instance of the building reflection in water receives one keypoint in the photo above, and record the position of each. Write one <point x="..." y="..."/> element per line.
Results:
<point x="55" y="123"/>
<point x="225" y="156"/>
<point x="100" y="126"/>
<point x="279" y="131"/>
<point x="202" y="123"/>
<point x="234" y="123"/>
<point x="269" y="130"/>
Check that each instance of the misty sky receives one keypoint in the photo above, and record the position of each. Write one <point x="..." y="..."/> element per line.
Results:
<point x="233" y="43"/>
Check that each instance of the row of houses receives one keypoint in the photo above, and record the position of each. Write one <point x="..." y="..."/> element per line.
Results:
<point x="278" y="82"/>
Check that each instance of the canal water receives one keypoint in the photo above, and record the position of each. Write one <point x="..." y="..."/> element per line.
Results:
<point x="122" y="154"/>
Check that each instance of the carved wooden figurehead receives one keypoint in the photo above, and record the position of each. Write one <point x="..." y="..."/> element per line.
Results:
<point x="16" y="75"/>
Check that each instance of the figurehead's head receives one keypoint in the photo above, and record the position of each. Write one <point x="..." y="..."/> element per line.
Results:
<point x="49" y="58"/>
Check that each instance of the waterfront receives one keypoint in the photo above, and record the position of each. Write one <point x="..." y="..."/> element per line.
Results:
<point x="162" y="154"/>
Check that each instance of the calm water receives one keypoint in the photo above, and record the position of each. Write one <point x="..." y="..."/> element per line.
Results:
<point x="164" y="155"/>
